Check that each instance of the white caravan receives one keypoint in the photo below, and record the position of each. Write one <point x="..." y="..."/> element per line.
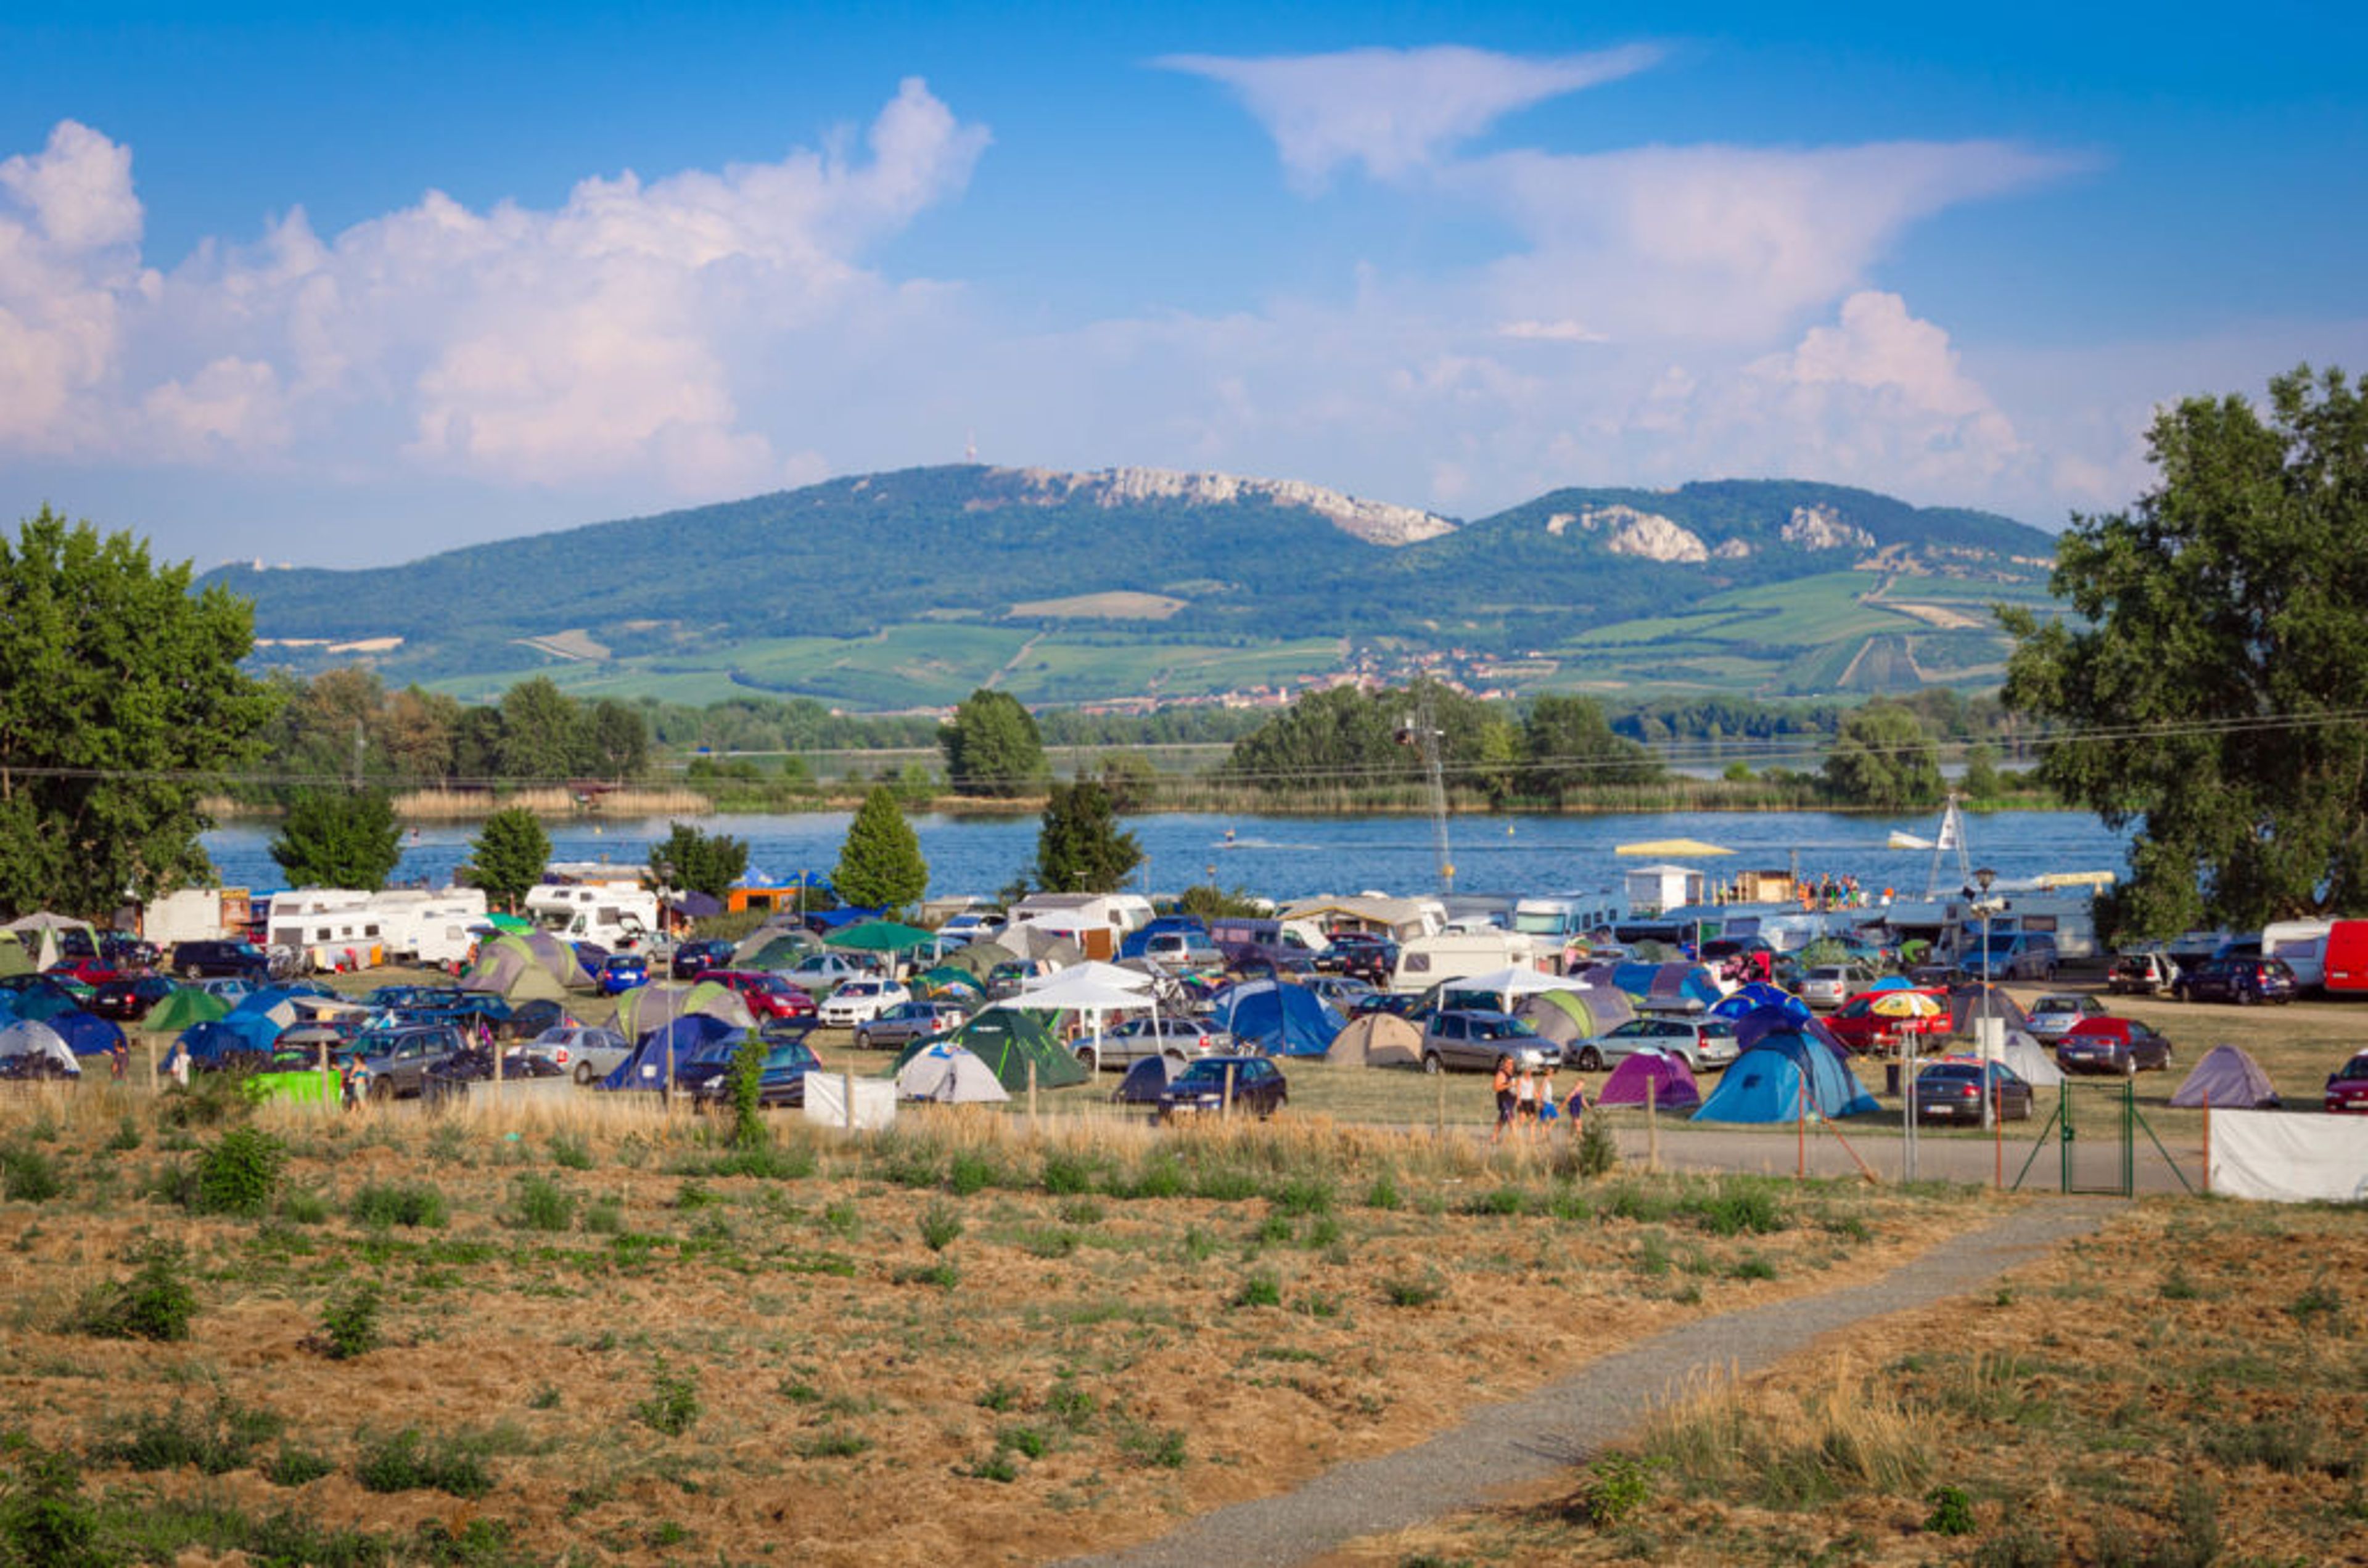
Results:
<point x="608" y="916"/>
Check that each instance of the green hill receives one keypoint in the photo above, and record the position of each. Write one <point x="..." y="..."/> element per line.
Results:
<point x="908" y="589"/>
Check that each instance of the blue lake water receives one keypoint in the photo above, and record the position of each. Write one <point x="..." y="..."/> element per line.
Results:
<point x="1287" y="857"/>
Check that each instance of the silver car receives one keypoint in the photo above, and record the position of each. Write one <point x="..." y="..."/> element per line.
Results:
<point x="2053" y="1015"/>
<point x="1130" y="1042"/>
<point x="1829" y="985"/>
<point x="1472" y="1040"/>
<point x="587" y="1053"/>
<point x="1703" y="1042"/>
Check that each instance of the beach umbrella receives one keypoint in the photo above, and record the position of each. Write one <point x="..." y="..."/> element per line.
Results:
<point x="881" y="937"/>
<point x="1903" y="1004"/>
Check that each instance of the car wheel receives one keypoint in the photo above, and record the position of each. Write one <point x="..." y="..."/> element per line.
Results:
<point x="2246" y="996"/>
<point x="2130" y="1064"/>
<point x="191" y="972"/>
<point x="1087" y="1060"/>
<point x="863" y="1039"/>
<point x="1591" y="1059"/>
<point x="1431" y="1062"/>
<point x="381" y="1090"/>
<point x="584" y="1074"/>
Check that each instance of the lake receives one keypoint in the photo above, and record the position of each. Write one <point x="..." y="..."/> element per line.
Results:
<point x="1290" y="858"/>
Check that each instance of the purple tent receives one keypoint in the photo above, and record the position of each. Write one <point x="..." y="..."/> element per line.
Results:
<point x="1750" y="1027"/>
<point x="1673" y="1084"/>
<point x="2228" y="1079"/>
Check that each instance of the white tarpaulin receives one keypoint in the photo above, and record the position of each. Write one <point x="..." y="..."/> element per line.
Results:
<point x="2289" y="1159"/>
<point x="875" y="1100"/>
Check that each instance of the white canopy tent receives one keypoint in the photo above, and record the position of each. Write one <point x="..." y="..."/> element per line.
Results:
<point x="1093" y="989"/>
<point x="1511" y="984"/>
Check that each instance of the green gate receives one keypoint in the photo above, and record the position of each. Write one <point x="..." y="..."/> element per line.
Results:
<point x="2094" y="1131"/>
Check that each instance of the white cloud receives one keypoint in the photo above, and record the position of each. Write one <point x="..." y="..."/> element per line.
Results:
<point x="69" y="268"/>
<point x="1396" y="110"/>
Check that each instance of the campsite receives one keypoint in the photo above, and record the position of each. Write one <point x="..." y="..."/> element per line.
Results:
<point x="1048" y="1333"/>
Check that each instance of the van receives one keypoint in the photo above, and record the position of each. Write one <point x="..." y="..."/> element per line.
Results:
<point x="1247" y="940"/>
<point x="2344" y="970"/>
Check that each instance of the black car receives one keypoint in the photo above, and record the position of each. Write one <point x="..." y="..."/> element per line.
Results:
<point x="1259" y="1088"/>
<point x="129" y="996"/>
<point x="1359" y="955"/>
<point x="212" y="960"/>
<point x="122" y="950"/>
<point x="783" y="1084"/>
<point x="2242" y="980"/>
<point x="710" y="952"/>
<point x="1952" y="1091"/>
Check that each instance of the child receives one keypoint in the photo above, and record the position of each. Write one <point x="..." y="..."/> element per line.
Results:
<point x="1525" y="1100"/>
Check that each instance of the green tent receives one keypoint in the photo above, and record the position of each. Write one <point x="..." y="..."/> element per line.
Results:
<point x="979" y="959"/>
<point x="944" y="979"/>
<point x="1007" y="1041"/>
<point x="881" y="936"/>
<point x="503" y="959"/>
<point x="14" y="960"/>
<point x="647" y="1008"/>
<point x="517" y="923"/>
<point x="185" y="1006"/>
<point x="781" y="951"/>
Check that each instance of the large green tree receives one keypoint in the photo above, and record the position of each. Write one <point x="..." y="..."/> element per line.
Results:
<point x="1885" y="757"/>
<point x="2211" y="682"/>
<point x="1080" y="848"/>
<point x="542" y="730"/>
<point x="701" y="862"/>
<point x="879" y="863"/>
<point x="339" y="838"/>
<point x="122" y="704"/>
<point x="1571" y="744"/>
<point x="508" y="855"/>
<point x="992" y="746"/>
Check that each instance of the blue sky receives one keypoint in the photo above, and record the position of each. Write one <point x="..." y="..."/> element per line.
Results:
<point x="347" y="289"/>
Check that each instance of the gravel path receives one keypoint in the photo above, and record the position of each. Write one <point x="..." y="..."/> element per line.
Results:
<point x="1564" y="1422"/>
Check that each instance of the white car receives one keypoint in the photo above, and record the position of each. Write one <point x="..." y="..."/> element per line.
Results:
<point x="973" y="926"/>
<point x="581" y="1051"/>
<point x="860" y="1001"/>
<point x="817" y="972"/>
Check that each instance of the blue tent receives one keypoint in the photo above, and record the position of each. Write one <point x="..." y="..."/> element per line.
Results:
<point x="207" y="1044"/>
<point x="1759" y="1023"/>
<point x="1668" y="986"/>
<point x="85" y="1034"/>
<point x="1758" y="994"/>
<point x="686" y="1035"/>
<point x="1767" y="1084"/>
<point x="1279" y="1019"/>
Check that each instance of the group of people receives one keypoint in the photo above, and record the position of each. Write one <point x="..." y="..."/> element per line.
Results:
<point x="1526" y="1102"/>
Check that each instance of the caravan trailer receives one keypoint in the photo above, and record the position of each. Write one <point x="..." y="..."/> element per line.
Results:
<point x="607" y="915"/>
<point x="336" y="929"/>
<point x="1458" y="955"/>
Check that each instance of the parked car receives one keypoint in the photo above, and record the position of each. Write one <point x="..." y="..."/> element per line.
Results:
<point x="974" y="926"/>
<point x="2142" y="974"/>
<point x="1180" y="949"/>
<point x="693" y="957"/>
<point x="782" y="1084"/>
<point x="2112" y="1045"/>
<point x="1258" y="1086"/>
<point x="1472" y="1039"/>
<point x="1340" y="990"/>
<point x="2239" y="980"/>
<point x="620" y="973"/>
<point x="860" y="1001"/>
<point x="583" y="1052"/>
<point x="1127" y="1044"/>
<point x="901" y="1025"/>
<point x="1829" y="985"/>
<point x="1952" y="1091"/>
<point x="126" y="952"/>
<point x="2016" y="955"/>
<point x="1361" y="956"/>
<point x="400" y="1059"/>
<point x="818" y="972"/>
<point x="235" y="960"/>
<point x="230" y="988"/>
<point x="768" y="996"/>
<point x="1704" y="1043"/>
<point x="129" y="996"/>
<point x="1406" y="1004"/>
<point x="1861" y="1028"/>
<point x="2347" y="1088"/>
<point x="2052" y="1015"/>
<point x="1005" y="980"/>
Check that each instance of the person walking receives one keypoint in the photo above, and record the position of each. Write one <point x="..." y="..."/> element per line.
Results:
<point x="1525" y="1103"/>
<point x="1505" y="1101"/>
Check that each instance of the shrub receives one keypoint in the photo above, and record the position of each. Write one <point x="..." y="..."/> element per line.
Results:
<point x="672" y="1407"/>
<point x="1303" y="1194"/>
<point x="126" y="1136"/>
<point x="1260" y="1290"/>
<point x="213" y="1442"/>
<point x="1738" y="1210"/>
<point x="156" y="1302"/>
<point x="998" y="1467"/>
<point x="745" y="1084"/>
<point x="43" y="1517"/>
<point x="27" y="1176"/>
<point x="538" y="1204"/>
<point x="349" y="1323"/>
<point x="1160" y="1177"/>
<point x="295" y="1467"/>
<point x="304" y="1207"/>
<point x="1407" y="1290"/>
<point x="1383" y="1193"/>
<point x="971" y="1171"/>
<point x="1598" y="1151"/>
<point x="1066" y="1176"/>
<point x="208" y="1099"/>
<point x="940" y="1227"/>
<point x="405" y="1462"/>
<point x="1074" y="1407"/>
<point x="998" y="1397"/>
<point x="412" y="1205"/>
<point x="1615" y="1487"/>
<point x="239" y="1173"/>
<point x="1952" y="1512"/>
<point x="1024" y="1440"/>
<point x="1162" y="1448"/>
<point x="570" y="1153"/>
<point x="1500" y="1201"/>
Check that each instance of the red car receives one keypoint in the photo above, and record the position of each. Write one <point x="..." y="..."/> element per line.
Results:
<point x="2112" y="1045"/>
<point x="2347" y="1087"/>
<point x="768" y="996"/>
<point x="1861" y="1028"/>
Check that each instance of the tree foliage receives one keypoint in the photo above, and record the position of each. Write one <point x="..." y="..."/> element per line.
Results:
<point x="1884" y="758"/>
<point x="2213" y="685"/>
<point x="1570" y="745"/>
<point x="701" y="862"/>
<point x="332" y="838"/>
<point x="1080" y="848"/>
<point x="509" y="854"/>
<point x="879" y="863"/>
<point x="993" y="748"/>
<point x="119" y="691"/>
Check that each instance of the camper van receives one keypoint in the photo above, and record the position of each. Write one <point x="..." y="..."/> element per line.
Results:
<point x="1456" y="955"/>
<point x="2344" y="967"/>
<point x="1565" y="919"/>
<point x="608" y="916"/>
<point x="336" y="929"/>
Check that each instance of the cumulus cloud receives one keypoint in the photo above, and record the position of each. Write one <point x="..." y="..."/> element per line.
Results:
<point x="1396" y="110"/>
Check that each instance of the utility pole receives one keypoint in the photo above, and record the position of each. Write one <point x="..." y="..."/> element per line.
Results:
<point x="1422" y="729"/>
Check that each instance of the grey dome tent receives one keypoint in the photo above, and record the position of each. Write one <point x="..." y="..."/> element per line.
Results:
<point x="2226" y="1078"/>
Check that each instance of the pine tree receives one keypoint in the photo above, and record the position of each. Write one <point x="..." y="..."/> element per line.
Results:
<point x="339" y="839"/>
<point x="509" y="854"/>
<point x="1080" y="848"/>
<point x="879" y="864"/>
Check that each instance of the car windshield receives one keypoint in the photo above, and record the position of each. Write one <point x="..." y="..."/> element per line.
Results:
<point x="2355" y="1069"/>
<point x="1207" y="1075"/>
<point x="791" y="1058"/>
<point x="2057" y="1005"/>
<point x="1503" y="1028"/>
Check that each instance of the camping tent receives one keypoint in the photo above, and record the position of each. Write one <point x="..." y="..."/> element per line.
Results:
<point x="1758" y="994"/>
<point x="85" y="1034"/>
<point x="1009" y="1041"/>
<point x="646" y="1007"/>
<point x="28" y="1037"/>
<point x="14" y="960"/>
<point x="2032" y="1062"/>
<point x="1667" y="987"/>
<point x="779" y="950"/>
<point x="233" y="1034"/>
<point x="1279" y="1019"/>
<point x="946" y="981"/>
<point x="1377" y="1039"/>
<point x="1757" y="1025"/>
<point x="1966" y="1005"/>
<point x="40" y="931"/>
<point x="46" y="1000"/>
<point x="1035" y="942"/>
<point x="1663" y="1074"/>
<point x="185" y="1006"/>
<point x="646" y="1067"/>
<point x="1787" y="1074"/>
<point x="980" y="957"/>
<point x="1145" y="1082"/>
<point x="947" y="1074"/>
<point x="503" y="958"/>
<point x="1504" y="988"/>
<point x="1566" y="1016"/>
<point x="2226" y="1079"/>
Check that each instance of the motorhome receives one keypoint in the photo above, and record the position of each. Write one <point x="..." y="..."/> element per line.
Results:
<point x="1563" y="918"/>
<point x="1456" y="955"/>
<point x="607" y="915"/>
<point x="195" y="914"/>
<point x="431" y="925"/>
<point x="2303" y="945"/>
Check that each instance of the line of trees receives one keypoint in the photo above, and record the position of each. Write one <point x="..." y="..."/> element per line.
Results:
<point x="344" y="724"/>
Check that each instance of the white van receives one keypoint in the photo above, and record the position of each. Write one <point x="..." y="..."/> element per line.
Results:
<point x="1457" y="955"/>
